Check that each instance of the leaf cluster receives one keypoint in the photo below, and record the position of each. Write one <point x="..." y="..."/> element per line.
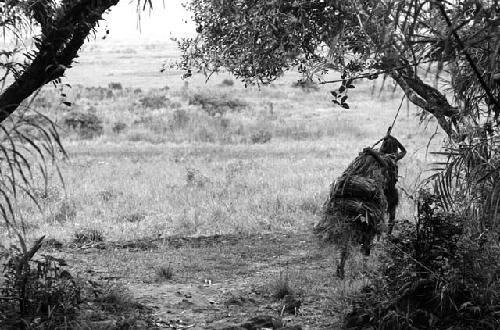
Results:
<point x="29" y="145"/>
<point x="257" y="41"/>
<point x="468" y="180"/>
<point x="436" y="275"/>
<point x="340" y="96"/>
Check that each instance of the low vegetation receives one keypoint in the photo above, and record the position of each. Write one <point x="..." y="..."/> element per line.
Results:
<point x="87" y="236"/>
<point x="164" y="273"/>
<point x="36" y="292"/>
<point x="203" y="164"/>
<point x="282" y="287"/>
<point x="216" y="104"/>
<point x="435" y="274"/>
<point x="85" y="125"/>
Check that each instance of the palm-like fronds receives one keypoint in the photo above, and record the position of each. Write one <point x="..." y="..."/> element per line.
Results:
<point x="469" y="179"/>
<point x="29" y="148"/>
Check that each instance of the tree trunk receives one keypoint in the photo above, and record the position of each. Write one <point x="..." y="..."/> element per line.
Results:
<point x="62" y="38"/>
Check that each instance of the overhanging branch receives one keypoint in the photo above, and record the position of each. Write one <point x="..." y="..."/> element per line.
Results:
<point x="428" y="98"/>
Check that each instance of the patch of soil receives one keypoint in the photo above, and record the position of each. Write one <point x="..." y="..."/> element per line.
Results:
<point x="221" y="281"/>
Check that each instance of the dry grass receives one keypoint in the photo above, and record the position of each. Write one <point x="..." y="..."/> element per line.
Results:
<point x="279" y="185"/>
<point x="242" y="187"/>
<point x="165" y="167"/>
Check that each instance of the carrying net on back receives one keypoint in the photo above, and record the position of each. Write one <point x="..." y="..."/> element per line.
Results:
<point x="354" y="212"/>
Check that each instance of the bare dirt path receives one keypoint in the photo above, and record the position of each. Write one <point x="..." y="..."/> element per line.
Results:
<point x="223" y="280"/>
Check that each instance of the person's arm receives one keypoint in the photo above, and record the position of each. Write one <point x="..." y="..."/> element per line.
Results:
<point x="400" y="155"/>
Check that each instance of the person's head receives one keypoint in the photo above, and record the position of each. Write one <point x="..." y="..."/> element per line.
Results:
<point x="389" y="145"/>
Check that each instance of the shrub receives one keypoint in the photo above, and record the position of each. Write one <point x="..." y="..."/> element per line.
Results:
<point x="66" y="211"/>
<point x="282" y="288"/>
<point x="119" y="127"/>
<point x="180" y="119"/>
<point x="98" y="93"/>
<point x="165" y="272"/>
<point x="194" y="177"/>
<point x="87" y="125"/>
<point x="144" y="135"/>
<point x="37" y="293"/>
<point x="227" y="82"/>
<point x="115" y="86"/>
<point x="437" y="275"/>
<point x="157" y="125"/>
<point x="175" y="105"/>
<point x="134" y="217"/>
<point x="216" y="104"/>
<point x="108" y="194"/>
<point x="154" y="101"/>
<point x="144" y="119"/>
<point x="87" y="235"/>
<point x="261" y="136"/>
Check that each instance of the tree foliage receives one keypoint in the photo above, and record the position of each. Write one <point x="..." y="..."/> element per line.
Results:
<point x="420" y="44"/>
<point x="258" y="40"/>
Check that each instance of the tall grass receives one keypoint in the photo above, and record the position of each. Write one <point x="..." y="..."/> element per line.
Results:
<point x="247" y="184"/>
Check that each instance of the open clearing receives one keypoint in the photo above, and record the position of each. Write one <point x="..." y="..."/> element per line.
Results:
<point x="224" y="280"/>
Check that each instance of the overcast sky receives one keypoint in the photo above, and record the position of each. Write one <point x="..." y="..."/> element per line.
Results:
<point x="159" y="24"/>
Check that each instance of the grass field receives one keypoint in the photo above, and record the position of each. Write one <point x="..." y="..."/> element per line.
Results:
<point x="190" y="158"/>
<point x="182" y="171"/>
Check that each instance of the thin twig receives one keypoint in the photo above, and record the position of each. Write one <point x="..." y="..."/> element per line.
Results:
<point x="366" y="75"/>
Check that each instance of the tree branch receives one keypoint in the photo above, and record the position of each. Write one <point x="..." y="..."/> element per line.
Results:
<point x="491" y="98"/>
<point x="56" y="50"/>
<point x="42" y="13"/>
<point x="426" y="97"/>
<point x="418" y="92"/>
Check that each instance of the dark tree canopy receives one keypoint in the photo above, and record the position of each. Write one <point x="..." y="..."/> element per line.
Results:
<point x="258" y="40"/>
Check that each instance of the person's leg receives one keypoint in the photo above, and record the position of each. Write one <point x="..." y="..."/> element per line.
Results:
<point x="392" y="203"/>
<point x="392" y="218"/>
<point x="344" y="254"/>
